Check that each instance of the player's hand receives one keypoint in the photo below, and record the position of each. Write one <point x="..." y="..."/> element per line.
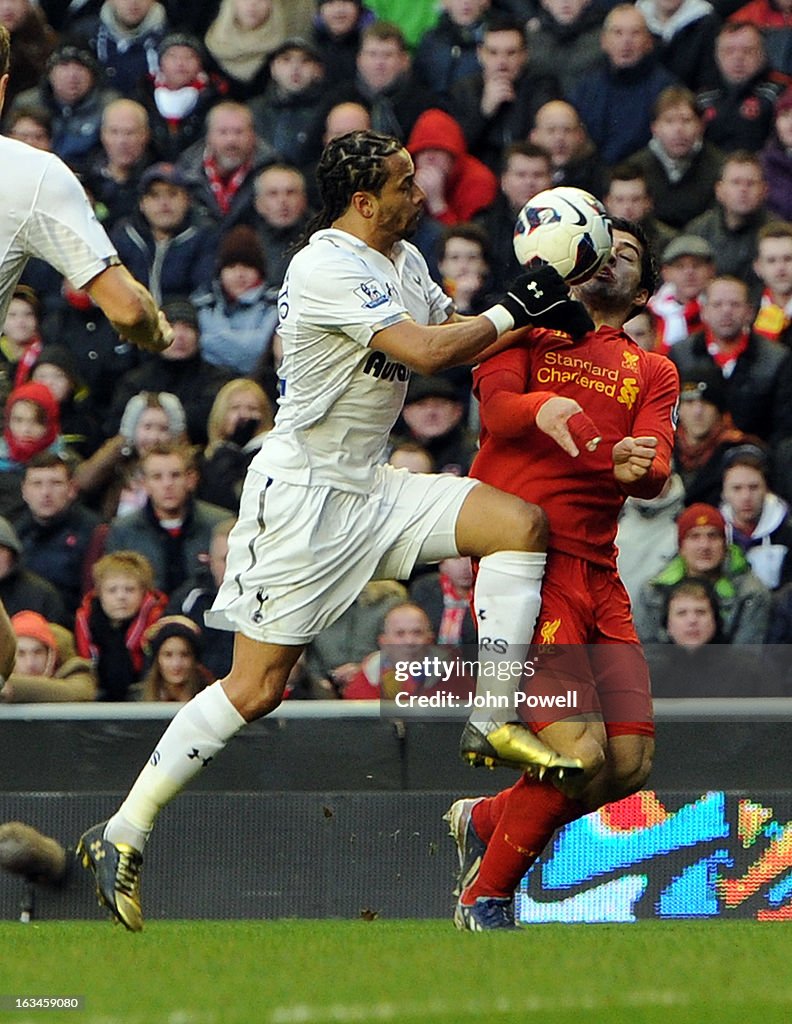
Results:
<point x="541" y="298"/>
<point x="161" y="338"/>
<point x="564" y="421"/>
<point x="152" y="332"/>
<point x="535" y="294"/>
<point x="633" y="458"/>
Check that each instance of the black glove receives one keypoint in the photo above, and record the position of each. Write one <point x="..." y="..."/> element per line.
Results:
<point x="541" y="298"/>
<point x="534" y="294"/>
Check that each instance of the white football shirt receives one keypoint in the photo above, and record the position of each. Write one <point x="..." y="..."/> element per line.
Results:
<point x="45" y="212"/>
<point x="339" y="396"/>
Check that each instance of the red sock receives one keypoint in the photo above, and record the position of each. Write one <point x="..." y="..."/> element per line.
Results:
<point x="531" y="811"/>
<point x="486" y="814"/>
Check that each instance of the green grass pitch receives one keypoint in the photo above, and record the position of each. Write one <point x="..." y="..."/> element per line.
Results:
<point x="322" y="972"/>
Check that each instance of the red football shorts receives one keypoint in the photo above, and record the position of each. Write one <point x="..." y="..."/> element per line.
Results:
<point x="585" y="643"/>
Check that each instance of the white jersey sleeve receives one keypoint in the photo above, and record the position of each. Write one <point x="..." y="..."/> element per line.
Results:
<point x="44" y="212"/>
<point x="63" y="230"/>
<point x="345" y="296"/>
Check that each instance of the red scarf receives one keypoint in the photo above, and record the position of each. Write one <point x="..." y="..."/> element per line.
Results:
<point x="225" y="187"/>
<point x="454" y="605"/>
<point x="38" y="394"/>
<point x="28" y="360"/>
<point x="151" y="609"/>
<point x="726" y="360"/>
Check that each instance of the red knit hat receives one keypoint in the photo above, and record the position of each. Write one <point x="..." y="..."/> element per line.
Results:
<point x="699" y="515"/>
<point x="35" y="627"/>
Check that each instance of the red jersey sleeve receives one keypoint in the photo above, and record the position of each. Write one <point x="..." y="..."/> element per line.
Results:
<point x="657" y="418"/>
<point x="499" y="384"/>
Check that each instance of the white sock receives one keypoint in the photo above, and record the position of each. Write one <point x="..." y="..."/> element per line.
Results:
<point x="199" y="731"/>
<point x="507" y="600"/>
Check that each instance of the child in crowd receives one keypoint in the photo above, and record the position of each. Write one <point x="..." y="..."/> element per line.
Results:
<point x="20" y="342"/>
<point x="113" y="619"/>
<point x="31" y="425"/>
<point x="176" y="673"/>
<point x="237" y="313"/>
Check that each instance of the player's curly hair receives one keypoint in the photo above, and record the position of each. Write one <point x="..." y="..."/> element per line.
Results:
<point x="354" y="162"/>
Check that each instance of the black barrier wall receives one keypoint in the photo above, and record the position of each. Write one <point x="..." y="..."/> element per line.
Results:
<point x="361" y="755"/>
<point x="661" y="854"/>
<point x="320" y="817"/>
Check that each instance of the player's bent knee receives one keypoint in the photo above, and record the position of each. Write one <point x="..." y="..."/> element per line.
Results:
<point x="525" y="529"/>
<point x="255" y="698"/>
<point x="491" y="520"/>
<point x="536" y="528"/>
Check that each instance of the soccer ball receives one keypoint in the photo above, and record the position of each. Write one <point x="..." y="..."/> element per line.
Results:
<point x="567" y="228"/>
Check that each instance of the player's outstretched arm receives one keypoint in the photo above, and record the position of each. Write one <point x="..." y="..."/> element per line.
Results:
<point x="130" y="308"/>
<point x="538" y="298"/>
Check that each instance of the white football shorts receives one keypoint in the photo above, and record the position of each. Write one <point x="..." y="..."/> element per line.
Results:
<point x="299" y="556"/>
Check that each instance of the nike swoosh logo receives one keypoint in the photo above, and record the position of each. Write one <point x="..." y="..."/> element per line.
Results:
<point x="581" y="218"/>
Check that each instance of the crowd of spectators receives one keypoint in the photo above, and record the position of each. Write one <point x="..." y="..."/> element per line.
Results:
<point x="196" y="130"/>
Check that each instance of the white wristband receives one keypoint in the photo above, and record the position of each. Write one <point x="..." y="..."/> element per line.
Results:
<point x="500" y="317"/>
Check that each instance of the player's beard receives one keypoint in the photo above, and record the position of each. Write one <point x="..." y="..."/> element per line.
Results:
<point x="412" y="226"/>
<point x="602" y="293"/>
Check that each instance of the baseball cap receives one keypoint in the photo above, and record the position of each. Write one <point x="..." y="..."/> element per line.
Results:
<point x="699" y="514"/>
<point x="752" y="452"/>
<point x="688" y="245"/>
<point x="168" y="173"/>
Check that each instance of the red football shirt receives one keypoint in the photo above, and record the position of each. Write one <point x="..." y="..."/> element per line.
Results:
<point x="625" y="391"/>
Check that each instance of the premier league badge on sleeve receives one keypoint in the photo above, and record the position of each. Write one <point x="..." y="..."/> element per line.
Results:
<point x="371" y="294"/>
